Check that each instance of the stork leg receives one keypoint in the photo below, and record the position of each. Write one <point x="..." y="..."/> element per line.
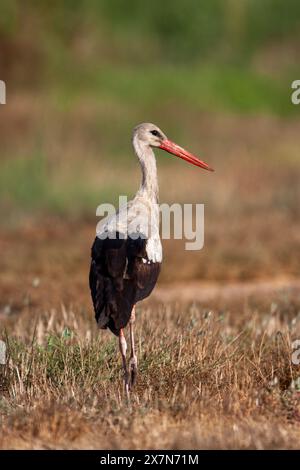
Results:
<point x="123" y="349"/>
<point x="133" y="357"/>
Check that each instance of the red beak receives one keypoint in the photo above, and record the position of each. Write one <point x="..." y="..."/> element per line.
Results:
<point x="174" y="149"/>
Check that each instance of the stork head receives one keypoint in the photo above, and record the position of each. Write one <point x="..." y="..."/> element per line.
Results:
<point x="149" y="135"/>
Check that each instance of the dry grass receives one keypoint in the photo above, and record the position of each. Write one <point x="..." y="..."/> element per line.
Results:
<point x="208" y="379"/>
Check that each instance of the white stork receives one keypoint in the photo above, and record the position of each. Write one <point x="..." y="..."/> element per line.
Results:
<point x="127" y="252"/>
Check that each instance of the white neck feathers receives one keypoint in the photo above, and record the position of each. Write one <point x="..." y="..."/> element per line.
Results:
<point x="145" y="154"/>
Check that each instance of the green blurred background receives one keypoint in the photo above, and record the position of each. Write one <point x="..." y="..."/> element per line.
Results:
<point x="215" y="75"/>
<point x="80" y="74"/>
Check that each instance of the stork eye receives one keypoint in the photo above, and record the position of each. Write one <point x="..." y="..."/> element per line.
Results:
<point x="155" y="132"/>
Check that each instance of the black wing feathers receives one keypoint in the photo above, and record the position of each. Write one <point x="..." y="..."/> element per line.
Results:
<point x="120" y="276"/>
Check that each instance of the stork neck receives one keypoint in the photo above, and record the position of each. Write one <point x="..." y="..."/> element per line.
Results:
<point x="149" y="185"/>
